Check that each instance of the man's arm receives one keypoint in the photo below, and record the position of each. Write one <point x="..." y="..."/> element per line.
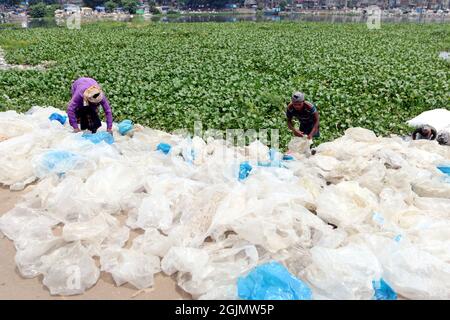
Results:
<point x="292" y="128"/>
<point x="433" y="134"/>
<point x="290" y="124"/>
<point x="414" y="134"/>
<point x="316" y="125"/>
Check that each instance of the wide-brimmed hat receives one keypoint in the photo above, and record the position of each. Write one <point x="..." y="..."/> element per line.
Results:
<point x="93" y="94"/>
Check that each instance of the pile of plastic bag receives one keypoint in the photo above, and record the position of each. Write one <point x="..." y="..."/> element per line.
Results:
<point x="437" y="118"/>
<point x="364" y="215"/>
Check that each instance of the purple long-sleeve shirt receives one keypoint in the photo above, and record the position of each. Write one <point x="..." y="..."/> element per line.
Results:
<point x="78" y="87"/>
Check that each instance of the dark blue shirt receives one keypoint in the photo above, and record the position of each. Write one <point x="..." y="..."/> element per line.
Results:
<point x="305" y="116"/>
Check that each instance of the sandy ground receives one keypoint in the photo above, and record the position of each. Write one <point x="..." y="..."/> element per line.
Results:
<point x="13" y="286"/>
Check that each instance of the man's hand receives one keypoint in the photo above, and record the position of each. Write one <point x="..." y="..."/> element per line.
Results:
<point x="110" y="131"/>
<point x="298" y="133"/>
<point x="76" y="130"/>
<point x="310" y="136"/>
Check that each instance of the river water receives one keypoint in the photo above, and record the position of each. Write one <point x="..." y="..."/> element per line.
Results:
<point x="49" y="22"/>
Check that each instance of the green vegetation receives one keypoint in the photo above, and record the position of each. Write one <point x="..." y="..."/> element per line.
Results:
<point x="238" y="75"/>
<point x="41" y="10"/>
<point x="110" y="6"/>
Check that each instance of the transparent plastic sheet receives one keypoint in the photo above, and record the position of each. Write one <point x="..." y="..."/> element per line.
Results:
<point x="200" y="223"/>
<point x="69" y="270"/>
<point x="130" y="266"/>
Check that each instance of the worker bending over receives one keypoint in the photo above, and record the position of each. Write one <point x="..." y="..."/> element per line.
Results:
<point x="83" y="107"/>
<point x="306" y="113"/>
<point x="424" y="132"/>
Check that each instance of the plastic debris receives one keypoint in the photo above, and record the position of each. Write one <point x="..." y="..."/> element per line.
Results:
<point x="130" y="266"/>
<point x="56" y="161"/>
<point x="99" y="137"/>
<point x="163" y="147"/>
<point x="125" y="126"/>
<point x="272" y="281"/>
<point x="361" y="209"/>
<point x="438" y="118"/>
<point x="288" y="157"/>
<point x="383" y="291"/>
<point x="56" y="116"/>
<point x="244" y="170"/>
<point x="378" y="218"/>
<point x="444" y="55"/>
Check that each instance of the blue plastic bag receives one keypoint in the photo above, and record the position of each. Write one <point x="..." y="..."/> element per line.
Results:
<point x="99" y="137"/>
<point x="56" y="116"/>
<point x="244" y="170"/>
<point x="163" y="147"/>
<point x="382" y="291"/>
<point x="125" y="126"/>
<point x="445" y="169"/>
<point x="272" y="281"/>
<point x="56" y="161"/>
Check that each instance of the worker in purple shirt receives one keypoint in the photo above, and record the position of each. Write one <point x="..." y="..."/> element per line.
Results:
<point x="83" y="107"/>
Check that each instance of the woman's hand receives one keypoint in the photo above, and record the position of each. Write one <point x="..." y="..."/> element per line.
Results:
<point x="76" y="130"/>
<point x="110" y="131"/>
<point x="310" y="136"/>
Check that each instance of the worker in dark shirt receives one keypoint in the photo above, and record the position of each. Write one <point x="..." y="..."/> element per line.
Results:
<point x="424" y="132"/>
<point x="306" y="113"/>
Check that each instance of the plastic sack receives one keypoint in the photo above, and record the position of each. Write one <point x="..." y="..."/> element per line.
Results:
<point x="346" y="204"/>
<point x="56" y="161"/>
<point x="56" y="116"/>
<point x="99" y="137"/>
<point x="163" y="147"/>
<point x="272" y="281"/>
<point x="125" y="126"/>
<point x="300" y="145"/>
<point x="244" y="170"/>
<point x="383" y="291"/>
<point x="345" y="273"/>
<point x="437" y="118"/>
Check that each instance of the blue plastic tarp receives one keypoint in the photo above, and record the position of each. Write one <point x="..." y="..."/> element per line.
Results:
<point x="99" y="137"/>
<point x="125" y="126"/>
<point x="58" y="117"/>
<point x="272" y="281"/>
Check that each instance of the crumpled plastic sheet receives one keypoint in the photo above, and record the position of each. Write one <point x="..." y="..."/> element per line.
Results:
<point x="363" y="208"/>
